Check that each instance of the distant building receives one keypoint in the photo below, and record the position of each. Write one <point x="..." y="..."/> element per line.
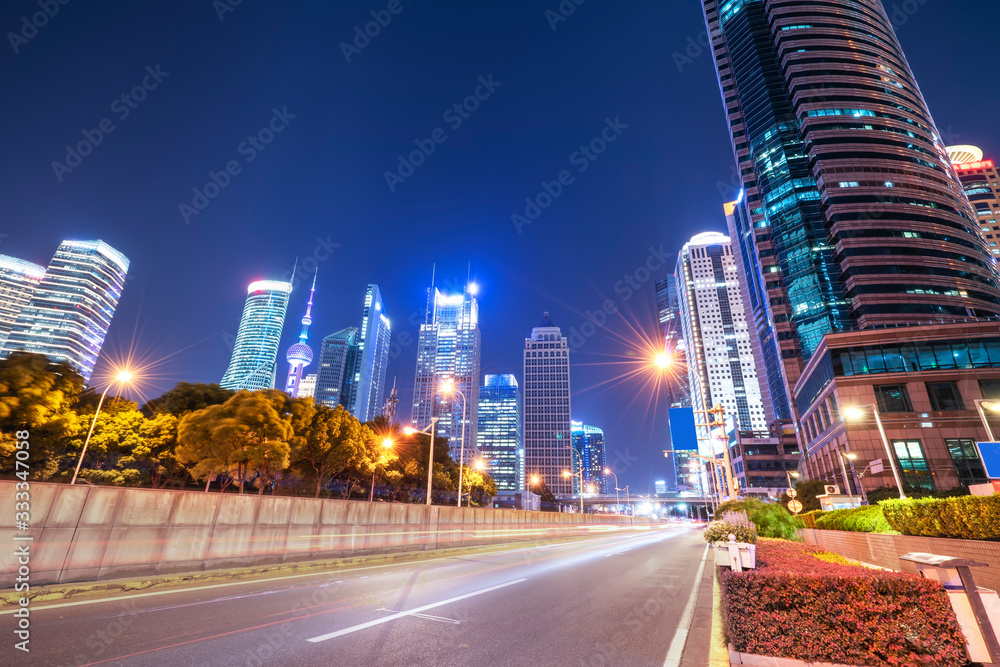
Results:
<point x="338" y="355"/>
<point x="71" y="307"/>
<point x="307" y="388"/>
<point x="499" y="440"/>
<point x="669" y="308"/>
<point x="981" y="182"/>
<point x="18" y="281"/>
<point x="588" y="442"/>
<point x="660" y="487"/>
<point x="448" y="349"/>
<point x="368" y="394"/>
<point x="255" y="353"/>
<point x="547" y="430"/>
<point x="300" y="354"/>
<point x="762" y="460"/>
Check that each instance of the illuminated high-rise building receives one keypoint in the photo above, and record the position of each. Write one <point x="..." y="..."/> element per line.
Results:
<point x="588" y="443"/>
<point x="368" y="393"/>
<point x="981" y="182"/>
<point x="300" y="354"/>
<point x="338" y="356"/>
<point x="307" y="388"/>
<point x="668" y="306"/>
<point x="499" y="439"/>
<point x="18" y="281"/>
<point x="448" y="349"/>
<point x="71" y="308"/>
<point x="255" y="353"/>
<point x="547" y="431"/>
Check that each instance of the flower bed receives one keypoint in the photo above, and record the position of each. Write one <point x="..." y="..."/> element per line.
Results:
<point x="964" y="517"/>
<point x="795" y="605"/>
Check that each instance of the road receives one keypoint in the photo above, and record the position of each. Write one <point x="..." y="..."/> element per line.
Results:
<point x="610" y="600"/>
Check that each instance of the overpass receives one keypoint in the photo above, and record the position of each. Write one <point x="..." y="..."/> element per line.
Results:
<point x="690" y="506"/>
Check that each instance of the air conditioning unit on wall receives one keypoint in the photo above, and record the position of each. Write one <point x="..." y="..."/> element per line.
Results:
<point x="832" y="490"/>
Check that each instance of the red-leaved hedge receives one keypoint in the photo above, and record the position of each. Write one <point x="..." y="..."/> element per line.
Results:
<point x="797" y="606"/>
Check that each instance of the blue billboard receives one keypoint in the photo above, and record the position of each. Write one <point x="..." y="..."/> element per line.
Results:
<point x="990" y="453"/>
<point x="683" y="436"/>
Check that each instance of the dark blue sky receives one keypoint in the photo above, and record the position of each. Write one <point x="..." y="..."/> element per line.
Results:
<point x="321" y="181"/>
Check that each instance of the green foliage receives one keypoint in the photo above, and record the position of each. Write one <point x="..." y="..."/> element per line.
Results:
<point x="331" y="444"/>
<point x="719" y="531"/>
<point x="805" y="492"/>
<point x="771" y="519"/>
<point x="187" y="397"/>
<point x="964" y="517"/>
<point x="891" y="493"/>
<point x="809" y="518"/>
<point x="860" y="520"/>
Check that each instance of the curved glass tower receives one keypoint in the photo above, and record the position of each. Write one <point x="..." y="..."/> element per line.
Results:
<point x="18" y="281"/>
<point x="255" y="353"/>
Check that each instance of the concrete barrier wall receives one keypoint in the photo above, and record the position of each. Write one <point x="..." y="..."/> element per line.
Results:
<point x="84" y="533"/>
<point x="885" y="550"/>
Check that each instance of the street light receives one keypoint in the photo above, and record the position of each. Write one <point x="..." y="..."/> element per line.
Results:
<point x="857" y="412"/>
<point x="123" y="378"/>
<point x="847" y="483"/>
<point x="789" y="474"/>
<point x="430" y="458"/>
<point x="447" y="389"/>
<point x="386" y="444"/>
<point x="567" y="473"/>
<point x="992" y="406"/>
<point x="609" y="471"/>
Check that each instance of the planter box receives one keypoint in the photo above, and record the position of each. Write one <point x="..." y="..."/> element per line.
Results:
<point x="748" y="554"/>
<point x="737" y="659"/>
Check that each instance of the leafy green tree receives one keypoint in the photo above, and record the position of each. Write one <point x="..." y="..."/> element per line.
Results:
<point x="414" y="453"/>
<point x="805" y="492"/>
<point x="117" y="434"/>
<point x="155" y="454"/>
<point x="480" y="486"/>
<point x="187" y="397"/>
<point x="244" y="438"/>
<point x="333" y="443"/>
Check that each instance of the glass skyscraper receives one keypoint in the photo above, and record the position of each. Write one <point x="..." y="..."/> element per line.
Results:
<point x="18" y="281"/>
<point x="448" y="348"/>
<point x="70" y="310"/>
<point x="547" y="432"/>
<point x="255" y="353"/>
<point x="668" y="306"/>
<point x="588" y="442"/>
<point x="338" y="355"/>
<point x="373" y="356"/>
<point x="500" y="431"/>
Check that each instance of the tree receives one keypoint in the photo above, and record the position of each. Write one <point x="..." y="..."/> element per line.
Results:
<point x="244" y="438"/>
<point x="155" y="454"/>
<point x="332" y="443"/>
<point x="805" y="492"/>
<point x="479" y="484"/>
<point x="187" y="397"/>
<point x="414" y="453"/>
<point x="117" y="434"/>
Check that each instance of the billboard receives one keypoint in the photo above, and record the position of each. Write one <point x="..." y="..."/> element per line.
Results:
<point x="683" y="435"/>
<point x="990" y="453"/>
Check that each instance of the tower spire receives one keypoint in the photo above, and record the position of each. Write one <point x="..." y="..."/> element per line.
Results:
<point x="300" y="354"/>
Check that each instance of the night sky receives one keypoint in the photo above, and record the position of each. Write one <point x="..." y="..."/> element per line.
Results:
<point x="219" y="73"/>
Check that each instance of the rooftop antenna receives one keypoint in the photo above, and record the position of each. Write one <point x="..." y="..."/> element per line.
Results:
<point x="295" y="267"/>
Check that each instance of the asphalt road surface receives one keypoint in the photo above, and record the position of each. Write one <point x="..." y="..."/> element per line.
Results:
<point x="610" y="600"/>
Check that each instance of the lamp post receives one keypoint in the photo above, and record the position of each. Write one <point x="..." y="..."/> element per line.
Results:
<point x="567" y="473"/>
<point x="857" y="412"/>
<point x="609" y="471"/>
<point x="788" y="475"/>
<point x="843" y="469"/>
<point x="386" y="444"/>
<point x="448" y="388"/>
<point x="430" y="457"/>
<point x="531" y="482"/>
<point x="992" y="406"/>
<point x="123" y="378"/>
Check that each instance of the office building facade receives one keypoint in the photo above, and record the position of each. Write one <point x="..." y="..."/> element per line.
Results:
<point x="669" y="309"/>
<point x="499" y="439"/>
<point x="338" y="356"/>
<point x="547" y="429"/>
<point x="368" y="394"/>
<point x="71" y="308"/>
<point x="18" y="281"/>
<point x="448" y="350"/>
<point x="254" y="362"/>
<point x="981" y="183"/>
<point x="588" y="443"/>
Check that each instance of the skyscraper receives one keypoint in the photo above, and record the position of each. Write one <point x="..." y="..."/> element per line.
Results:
<point x="981" y="182"/>
<point x="448" y="348"/>
<point x="547" y="431"/>
<point x="72" y="306"/>
<point x="858" y="218"/>
<point x="338" y="355"/>
<point x="668" y="306"/>
<point x="300" y="354"/>
<point x="373" y="347"/>
<point x="307" y="388"/>
<point x="721" y="368"/>
<point x="500" y="431"/>
<point x="588" y="442"/>
<point x="18" y="281"/>
<point x="255" y="353"/>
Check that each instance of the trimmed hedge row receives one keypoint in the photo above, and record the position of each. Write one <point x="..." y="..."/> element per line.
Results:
<point x="795" y="605"/>
<point x="859" y="520"/>
<point x="809" y="518"/>
<point x="964" y="517"/>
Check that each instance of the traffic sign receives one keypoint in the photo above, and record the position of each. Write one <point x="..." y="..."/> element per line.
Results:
<point x="791" y="493"/>
<point x="876" y="466"/>
<point x="794" y="506"/>
<point x="990" y="454"/>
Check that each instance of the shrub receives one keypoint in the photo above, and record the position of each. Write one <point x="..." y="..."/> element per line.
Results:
<point x="771" y="519"/>
<point x="860" y="520"/>
<point x="719" y="531"/>
<point x="809" y="518"/>
<point x="798" y="606"/>
<point x="964" y="517"/>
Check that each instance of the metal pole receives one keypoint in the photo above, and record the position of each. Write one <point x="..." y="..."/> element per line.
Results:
<point x="371" y="495"/>
<point x="847" y="482"/>
<point x="461" y="456"/>
<point x="888" y="451"/>
<point x="89" y="433"/>
<point x="982" y="415"/>
<point x="430" y="463"/>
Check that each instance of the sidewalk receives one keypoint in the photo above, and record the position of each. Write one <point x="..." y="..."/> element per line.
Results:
<point x="705" y="644"/>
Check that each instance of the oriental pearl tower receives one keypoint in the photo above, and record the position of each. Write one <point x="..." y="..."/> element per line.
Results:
<point x="300" y="355"/>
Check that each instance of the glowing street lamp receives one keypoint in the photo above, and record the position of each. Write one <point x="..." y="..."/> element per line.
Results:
<point x="992" y="406"/>
<point x="387" y="445"/>
<point x="856" y="413"/>
<point x="430" y="458"/>
<point x="568" y="474"/>
<point x="124" y="377"/>
<point x="448" y="388"/>
<point x="609" y="471"/>
<point x="789" y="474"/>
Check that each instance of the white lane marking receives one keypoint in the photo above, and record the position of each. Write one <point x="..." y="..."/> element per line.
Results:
<point x="430" y="617"/>
<point x="680" y="637"/>
<point x="393" y="617"/>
